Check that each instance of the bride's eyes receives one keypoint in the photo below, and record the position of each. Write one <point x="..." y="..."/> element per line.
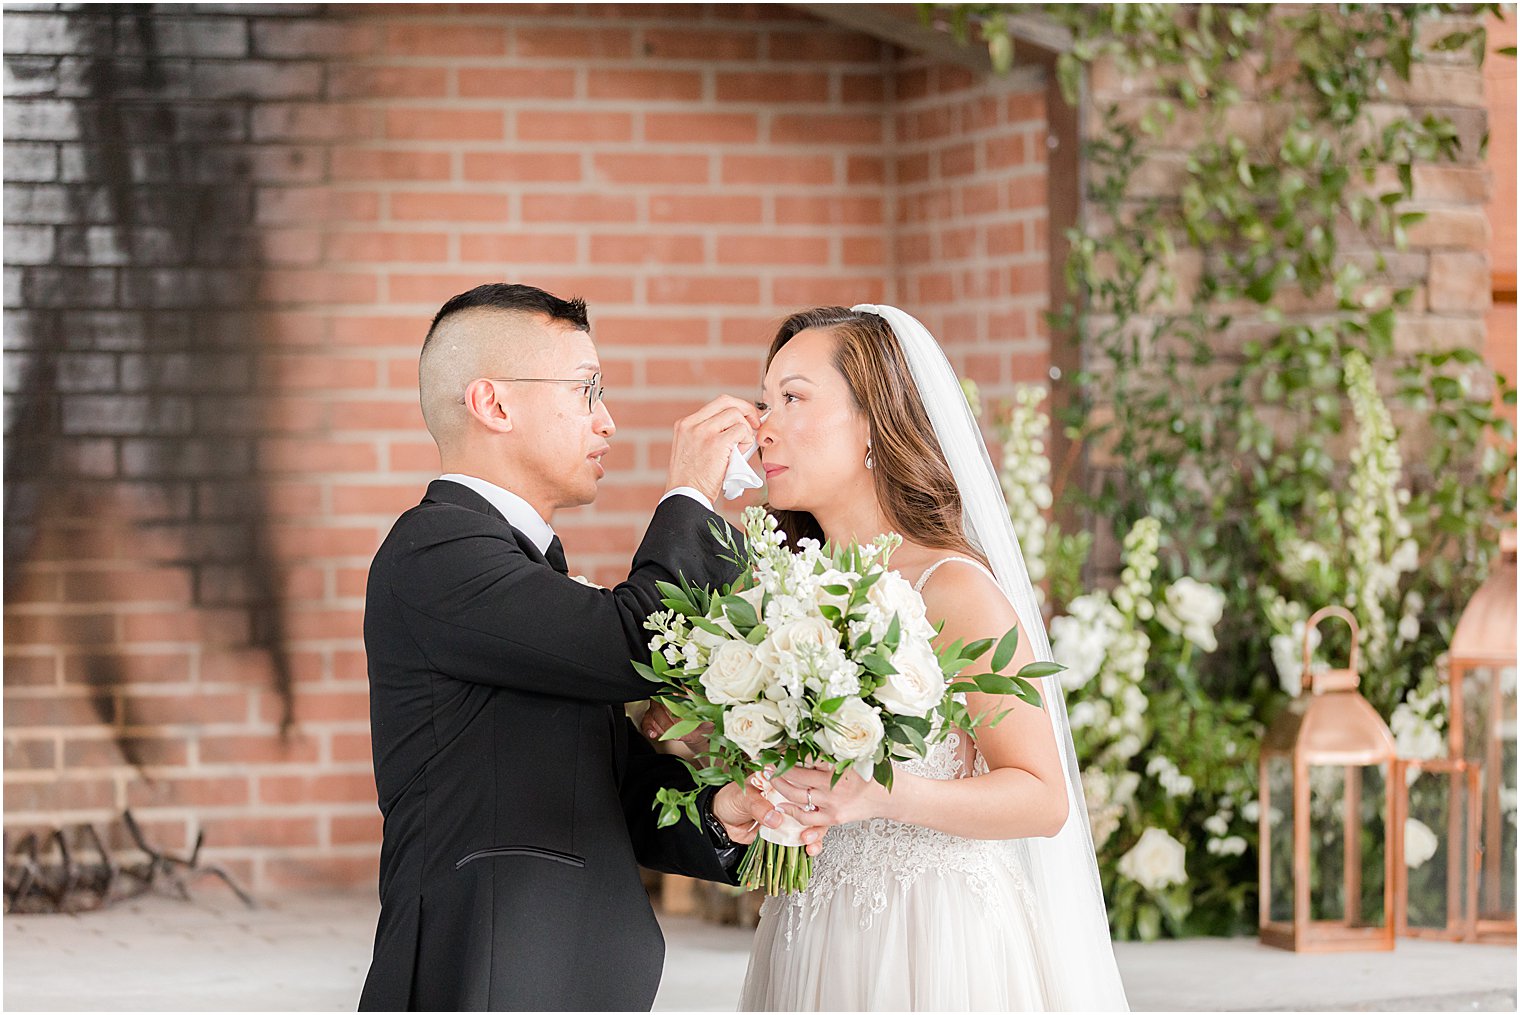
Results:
<point x="787" y="398"/>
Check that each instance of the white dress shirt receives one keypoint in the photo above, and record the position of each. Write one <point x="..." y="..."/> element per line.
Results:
<point x="523" y="517"/>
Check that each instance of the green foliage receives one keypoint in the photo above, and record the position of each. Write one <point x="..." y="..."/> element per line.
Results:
<point x="1220" y="311"/>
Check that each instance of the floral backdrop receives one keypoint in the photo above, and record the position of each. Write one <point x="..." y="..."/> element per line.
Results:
<point x="1252" y="414"/>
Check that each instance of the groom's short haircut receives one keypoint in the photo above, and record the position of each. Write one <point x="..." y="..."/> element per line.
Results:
<point x="474" y="334"/>
<point x="524" y="299"/>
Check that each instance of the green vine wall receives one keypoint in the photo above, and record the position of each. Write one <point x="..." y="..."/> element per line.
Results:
<point x="1262" y="374"/>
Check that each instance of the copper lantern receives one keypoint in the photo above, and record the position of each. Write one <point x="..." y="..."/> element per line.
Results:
<point x="1326" y="823"/>
<point x="1435" y="828"/>
<point x="1481" y="667"/>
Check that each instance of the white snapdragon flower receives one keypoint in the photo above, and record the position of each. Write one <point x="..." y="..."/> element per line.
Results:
<point x="792" y="713"/>
<point x="1233" y="845"/>
<point x="1288" y="656"/>
<point x="1171" y="778"/>
<point x="1081" y="638"/>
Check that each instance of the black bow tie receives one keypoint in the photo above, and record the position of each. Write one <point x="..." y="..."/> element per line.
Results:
<point x="555" y="555"/>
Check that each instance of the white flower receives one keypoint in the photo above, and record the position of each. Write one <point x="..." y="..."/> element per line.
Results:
<point x="1420" y="843"/>
<point x="919" y="683"/>
<point x="805" y="634"/>
<point x="792" y="713"/>
<point x="1083" y="714"/>
<point x="1192" y="609"/>
<point x="1416" y="736"/>
<point x="1173" y="781"/>
<point x="1288" y="656"/>
<point x="853" y="732"/>
<point x="1232" y="846"/>
<point x="753" y="727"/>
<point x="892" y="594"/>
<point x="1215" y="824"/>
<point x="734" y="674"/>
<point x="1081" y="639"/>
<point x="1409" y="628"/>
<point x="1156" y="861"/>
<point x="709" y="641"/>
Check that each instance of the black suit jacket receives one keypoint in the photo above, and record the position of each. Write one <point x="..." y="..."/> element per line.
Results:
<point x="517" y="797"/>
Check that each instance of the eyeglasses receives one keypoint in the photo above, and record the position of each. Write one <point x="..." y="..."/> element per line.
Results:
<point x="594" y="388"/>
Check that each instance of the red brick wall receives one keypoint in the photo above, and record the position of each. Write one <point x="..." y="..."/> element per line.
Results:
<point x="694" y="172"/>
<point x="970" y="229"/>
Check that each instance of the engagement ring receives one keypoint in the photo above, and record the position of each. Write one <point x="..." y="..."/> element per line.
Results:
<point x="810" y="805"/>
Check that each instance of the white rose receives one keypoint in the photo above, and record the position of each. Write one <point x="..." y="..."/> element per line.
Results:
<point x="834" y="577"/>
<point x="892" y="594"/>
<point x="1156" y="861"/>
<point x="918" y="685"/>
<point x="753" y="727"/>
<point x="853" y="732"/>
<point x="1192" y="609"/>
<point x="802" y="635"/>
<point x="734" y="674"/>
<point x="1420" y="843"/>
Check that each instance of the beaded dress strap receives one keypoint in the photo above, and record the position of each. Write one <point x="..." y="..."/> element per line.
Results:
<point x="923" y="579"/>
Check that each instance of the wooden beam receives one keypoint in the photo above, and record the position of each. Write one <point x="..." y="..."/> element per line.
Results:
<point x="1036" y="40"/>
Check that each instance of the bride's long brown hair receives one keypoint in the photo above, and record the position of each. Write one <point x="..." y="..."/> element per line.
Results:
<point x="914" y="485"/>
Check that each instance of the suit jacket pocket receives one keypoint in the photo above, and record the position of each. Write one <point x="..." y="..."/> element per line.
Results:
<point x="548" y="854"/>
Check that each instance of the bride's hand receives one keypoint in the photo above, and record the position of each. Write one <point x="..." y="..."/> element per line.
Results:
<point x="743" y="809"/>
<point x="852" y="798"/>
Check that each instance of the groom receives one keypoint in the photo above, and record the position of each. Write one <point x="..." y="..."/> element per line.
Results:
<point x="517" y="797"/>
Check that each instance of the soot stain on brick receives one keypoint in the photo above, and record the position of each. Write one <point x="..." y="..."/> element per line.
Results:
<point x="174" y="212"/>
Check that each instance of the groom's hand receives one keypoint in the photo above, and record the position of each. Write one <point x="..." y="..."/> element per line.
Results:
<point x="743" y="810"/>
<point x="658" y="719"/>
<point x="700" y="451"/>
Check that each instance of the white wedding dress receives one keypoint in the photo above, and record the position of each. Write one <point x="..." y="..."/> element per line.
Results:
<point x="899" y="917"/>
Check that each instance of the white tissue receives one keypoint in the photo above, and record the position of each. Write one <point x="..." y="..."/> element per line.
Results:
<point x="740" y="476"/>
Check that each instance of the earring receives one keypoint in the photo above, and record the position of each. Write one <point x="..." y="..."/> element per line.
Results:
<point x="869" y="463"/>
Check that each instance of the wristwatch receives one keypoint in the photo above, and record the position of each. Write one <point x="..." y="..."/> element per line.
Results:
<point x="716" y="833"/>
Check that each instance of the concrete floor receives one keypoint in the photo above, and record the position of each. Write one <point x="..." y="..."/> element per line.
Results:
<point x="310" y="953"/>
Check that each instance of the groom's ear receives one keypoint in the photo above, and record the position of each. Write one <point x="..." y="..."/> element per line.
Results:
<point x="482" y="403"/>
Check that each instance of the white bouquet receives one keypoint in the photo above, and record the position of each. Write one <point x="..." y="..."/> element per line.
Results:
<point x="822" y="655"/>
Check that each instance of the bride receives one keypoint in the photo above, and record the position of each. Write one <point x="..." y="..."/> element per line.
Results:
<point x="971" y="884"/>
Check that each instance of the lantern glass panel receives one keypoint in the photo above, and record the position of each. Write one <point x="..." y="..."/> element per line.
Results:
<point x="1347" y="807"/>
<point x="1488" y="698"/>
<point x="1280" y="837"/>
<point x="1435" y="849"/>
